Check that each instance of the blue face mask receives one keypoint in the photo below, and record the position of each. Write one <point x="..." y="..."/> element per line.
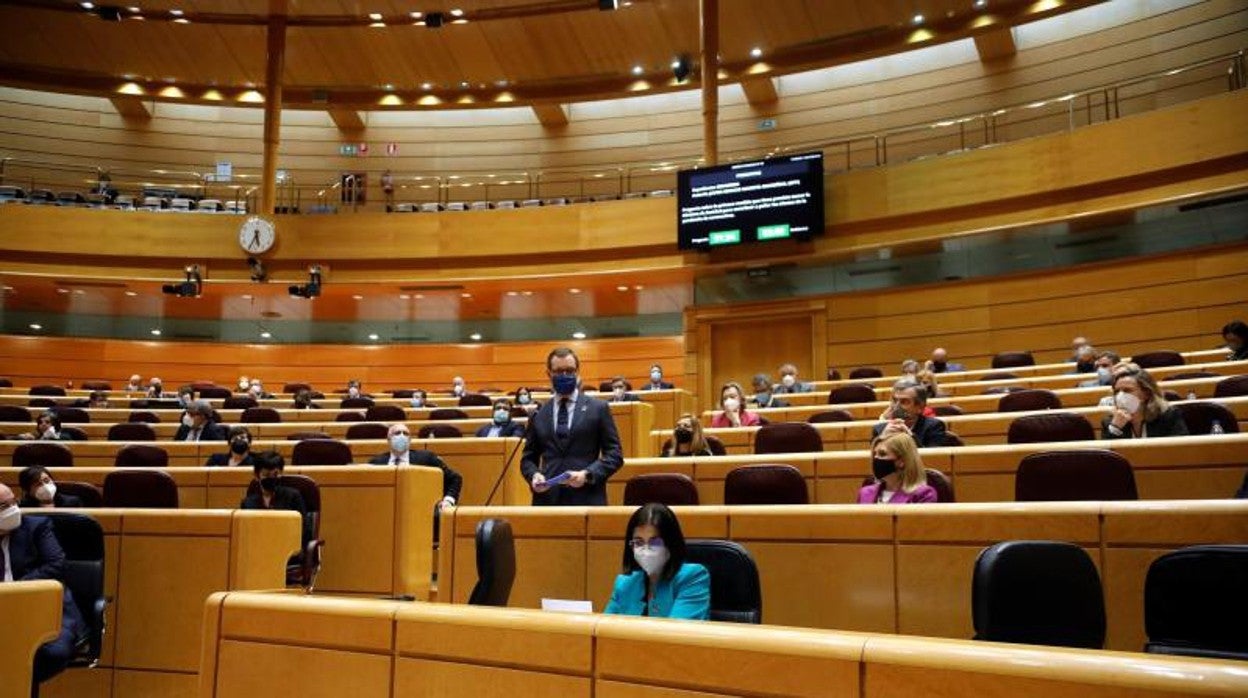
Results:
<point x="763" y="398"/>
<point x="502" y="416"/>
<point x="563" y="384"/>
<point x="524" y="399"/>
<point x="400" y="442"/>
<point x="418" y="402"/>
<point x="656" y="376"/>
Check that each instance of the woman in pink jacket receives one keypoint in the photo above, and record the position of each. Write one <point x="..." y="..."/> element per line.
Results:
<point x="899" y="474"/>
<point x="734" y="414"/>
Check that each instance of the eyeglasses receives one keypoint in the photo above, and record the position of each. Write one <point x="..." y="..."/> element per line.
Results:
<point x="653" y="544"/>
<point x="563" y="371"/>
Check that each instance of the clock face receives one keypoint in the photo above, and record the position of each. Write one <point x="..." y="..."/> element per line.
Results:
<point x="256" y="235"/>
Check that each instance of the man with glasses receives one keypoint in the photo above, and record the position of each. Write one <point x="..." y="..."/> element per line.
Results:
<point x="573" y="446"/>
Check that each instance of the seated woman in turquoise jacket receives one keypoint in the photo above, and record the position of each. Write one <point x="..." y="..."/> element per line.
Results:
<point x="656" y="580"/>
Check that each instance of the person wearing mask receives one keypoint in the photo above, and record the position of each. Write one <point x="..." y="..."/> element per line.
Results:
<point x="39" y="490"/>
<point x="401" y="453"/>
<point x="240" y="450"/>
<point x="939" y="363"/>
<point x="186" y="395"/>
<point x="197" y="424"/>
<point x="271" y="495"/>
<point x="1121" y="368"/>
<point x="789" y="382"/>
<point x="733" y="412"/>
<point x="155" y="388"/>
<point x="764" y="395"/>
<point x="1140" y="411"/>
<point x="899" y="474"/>
<point x="524" y="400"/>
<point x="420" y="400"/>
<point x="257" y="390"/>
<point x="687" y="439"/>
<point x="931" y="387"/>
<point x="47" y="428"/>
<point x="655" y="580"/>
<point x="1104" y="367"/>
<point x="29" y="551"/>
<point x="303" y="401"/>
<point x="656" y="380"/>
<point x="135" y="384"/>
<point x="905" y="415"/>
<point x="1075" y="345"/>
<point x="356" y="389"/>
<point x="572" y="433"/>
<point x="458" y="388"/>
<point x="1085" y="359"/>
<point x="619" y="391"/>
<point x="502" y="424"/>
<point x="244" y="384"/>
<point x="1235" y="334"/>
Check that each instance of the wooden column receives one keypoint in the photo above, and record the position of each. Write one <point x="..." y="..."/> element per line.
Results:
<point x="708" y="11"/>
<point x="274" y="61"/>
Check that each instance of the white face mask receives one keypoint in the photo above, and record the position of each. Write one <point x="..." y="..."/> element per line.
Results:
<point x="243" y="384"/>
<point x="619" y="393"/>
<point x="10" y="519"/>
<point x="1127" y="402"/>
<point x="652" y="560"/>
<point x="188" y="421"/>
<point x="731" y="404"/>
<point x="353" y="392"/>
<point x="788" y="380"/>
<point x="458" y="390"/>
<point x="656" y="376"/>
<point x="46" y="492"/>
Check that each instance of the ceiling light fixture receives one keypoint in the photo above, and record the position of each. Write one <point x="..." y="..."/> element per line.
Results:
<point x="457" y="12"/>
<point x="475" y="336"/>
<point x="917" y="20"/>
<point x="756" y="52"/>
<point x="132" y="294"/>
<point x="638" y="70"/>
<point x="578" y="335"/>
<point x="981" y="4"/>
<point x="87" y="5"/>
<point x="374" y="337"/>
<point x="156" y="332"/>
<point x="36" y="326"/>
<point x="574" y="290"/>
<point x="176" y="13"/>
<point x="375" y="16"/>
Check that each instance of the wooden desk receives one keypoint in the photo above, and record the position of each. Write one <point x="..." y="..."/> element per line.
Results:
<point x="32" y="616"/>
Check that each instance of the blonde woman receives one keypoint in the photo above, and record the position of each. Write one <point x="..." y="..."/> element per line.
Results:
<point x="687" y="439"/>
<point x="899" y="474"/>
<point x="734" y="414"/>
<point x="1140" y="411"/>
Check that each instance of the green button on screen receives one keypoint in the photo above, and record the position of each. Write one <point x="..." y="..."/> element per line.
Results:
<point x="773" y="232"/>
<point x="725" y="237"/>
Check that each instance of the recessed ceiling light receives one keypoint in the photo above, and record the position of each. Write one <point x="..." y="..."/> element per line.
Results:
<point x="358" y="297"/>
<point x="513" y="294"/>
<point x="266" y="334"/>
<point x="475" y="336"/>
<point x="132" y="294"/>
<point x="420" y="296"/>
<point x="638" y="70"/>
<point x="62" y="290"/>
<point x="917" y="19"/>
<point x="35" y="326"/>
<point x="464" y="84"/>
<point x="981" y="4"/>
<point x="176" y="13"/>
<point x="526" y="293"/>
<point x="465" y="295"/>
<point x="405" y="296"/>
<point x="377" y="25"/>
<point x="181" y="20"/>
<point x="87" y="5"/>
<point x="388" y="87"/>
<point x="136" y="9"/>
<point x="756" y="52"/>
<point x="621" y="288"/>
<point x="574" y="290"/>
<point x="155" y="331"/>
<point x="578" y="335"/>
<point x="79" y="292"/>
<point x="457" y="12"/>
<point x="374" y="337"/>
<point x="416" y="15"/>
<point x="675" y="63"/>
<point x="375" y="16"/>
<point x="8" y="288"/>
<point x="426" y="85"/>
<point x="247" y="296"/>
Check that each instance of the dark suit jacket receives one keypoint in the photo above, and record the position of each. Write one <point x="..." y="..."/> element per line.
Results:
<point x="628" y="397"/>
<point x="284" y="499"/>
<point x="452" y="481"/>
<point x="509" y="429"/>
<point x="35" y="554"/>
<point x="1168" y="423"/>
<point x="212" y="432"/>
<point x="929" y="432"/>
<point x="593" y="444"/>
<point x="59" y="501"/>
<point x="663" y="385"/>
<point x="217" y="460"/>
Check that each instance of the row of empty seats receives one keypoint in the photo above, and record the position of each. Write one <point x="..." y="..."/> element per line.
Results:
<point x="121" y="202"/>
<point x="435" y="206"/>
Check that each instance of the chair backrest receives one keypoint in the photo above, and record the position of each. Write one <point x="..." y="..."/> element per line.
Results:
<point x="15" y="413"/>
<point x="1028" y="400"/>
<point x="1157" y="359"/>
<point x="999" y="376"/>
<point x="73" y="415"/>
<point x="439" y="431"/>
<point x="1230" y="387"/>
<point x="672" y="489"/>
<point x="321" y="452"/>
<point x="90" y="495"/>
<point x="292" y="388"/>
<point x="349" y="417"/>
<point x="46" y="390"/>
<point x="952" y="440"/>
<point x="140" y="489"/>
<point x="260" y="415"/>
<point x="788" y="437"/>
<point x="46" y="453"/>
<point x="356" y="403"/>
<point x="846" y="394"/>
<point x="385" y="413"/>
<point x="6" y="383"/>
<point x="1039" y="593"/>
<point x="131" y="431"/>
<point x="403" y="394"/>
<point x="141" y="456"/>
<point x="97" y="385"/>
<point x="143" y="416"/>
<point x="306" y="435"/>
<point x="1074" y="476"/>
<point x="1185" y="609"/>
<point x="942" y="484"/>
<point x="1044" y="428"/>
<point x="367" y="430"/>
<point x="239" y="402"/>
<point x="41" y="402"/>
<point x="1191" y="375"/>
<point x="82" y="539"/>
<point x="1012" y="359"/>
<point x="865" y="372"/>
<point x="736" y="594"/>
<point x="448" y="413"/>
<point x="496" y="563"/>
<point x="715" y="445"/>
<point x="765" y="484"/>
<point x="73" y="433"/>
<point x="215" y="392"/>
<point x="947" y="410"/>
<point x="1200" y="417"/>
<point x="830" y="416"/>
<point x="476" y="400"/>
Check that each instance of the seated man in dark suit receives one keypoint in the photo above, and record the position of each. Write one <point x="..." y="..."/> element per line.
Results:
<point x="619" y="391"/>
<point x="39" y="490"/>
<point x="656" y="380"/>
<point x="28" y="551"/>
<point x="240" y="450"/>
<point x="96" y="400"/>
<point x="303" y="401"/>
<point x="268" y="467"/>
<point x="401" y="453"/>
<point x="502" y="425"/>
<point x="905" y="416"/>
<point x="197" y="424"/>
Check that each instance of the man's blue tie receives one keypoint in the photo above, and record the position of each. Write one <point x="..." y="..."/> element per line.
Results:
<point x="561" y="423"/>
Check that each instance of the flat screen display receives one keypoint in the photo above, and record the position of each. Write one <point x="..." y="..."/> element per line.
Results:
<point x="746" y="202"/>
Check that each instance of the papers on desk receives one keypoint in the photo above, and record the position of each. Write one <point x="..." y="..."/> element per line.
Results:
<point x="567" y="605"/>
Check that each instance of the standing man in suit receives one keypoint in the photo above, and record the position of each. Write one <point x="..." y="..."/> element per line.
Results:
<point x="197" y="424"/>
<point x="28" y="550"/>
<point x="656" y="380"/>
<point x="401" y="453"/>
<point x="571" y="433"/>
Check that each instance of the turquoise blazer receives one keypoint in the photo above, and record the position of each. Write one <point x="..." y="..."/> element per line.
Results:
<point x="685" y="595"/>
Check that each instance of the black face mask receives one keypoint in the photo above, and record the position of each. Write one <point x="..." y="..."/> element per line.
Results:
<point x="684" y="436"/>
<point x="239" y="446"/>
<point x="1085" y="367"/>
<point x="882" y="468"/>
<point x="939" y="366"/>
<point x="268" y="484"/>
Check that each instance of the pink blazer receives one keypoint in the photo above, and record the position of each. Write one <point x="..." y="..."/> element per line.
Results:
<point x="922" y="494"/>
<point x="748" y="419"/>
